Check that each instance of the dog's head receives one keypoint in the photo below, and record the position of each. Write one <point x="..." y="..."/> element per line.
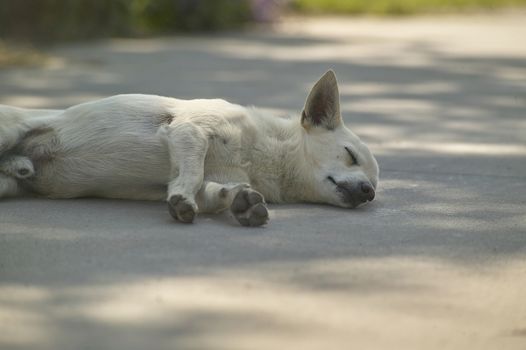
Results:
<point x="344" y="171"/>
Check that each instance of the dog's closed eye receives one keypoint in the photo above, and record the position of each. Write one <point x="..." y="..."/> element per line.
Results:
<point x="352" y="155"/>
<point x="331" y="179"/>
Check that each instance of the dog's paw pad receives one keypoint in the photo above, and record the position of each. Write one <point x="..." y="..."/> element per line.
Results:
<point x="244" y="199"/>
<point x="249" y="208"/>
<point x="182" y="209"/>
<point x="254" y="198"/>
<point x="258" y="215"/>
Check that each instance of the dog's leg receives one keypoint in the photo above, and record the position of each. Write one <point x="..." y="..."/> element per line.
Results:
<point x="17" y="166"/>
<point x="249" y="208"/>
<point x="187" y="146"/>
<point x="15" y="123"/>
<point x="246" y="204"/>
<point x="8" y="186"/>
<point x="215" y="197"/>
<point x="9" y="136"/>
<point x="11" y="169"/>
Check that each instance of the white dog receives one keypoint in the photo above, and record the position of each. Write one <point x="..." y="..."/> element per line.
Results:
<point x="200" y="155"/>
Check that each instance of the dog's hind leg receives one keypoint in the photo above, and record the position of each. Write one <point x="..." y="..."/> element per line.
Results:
<point x="15" y="123"/>
<point x="247" y="205"/>
<point x="187" y="147"/>
<point x="11" y="169"/>
<point x="8" y="186"/>
<point x="215" y="197"/>
<point x="17" y="166"/>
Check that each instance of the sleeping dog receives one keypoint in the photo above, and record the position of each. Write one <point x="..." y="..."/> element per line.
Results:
<point x="201" y="156"/>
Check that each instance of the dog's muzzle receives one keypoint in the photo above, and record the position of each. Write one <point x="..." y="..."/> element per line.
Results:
<point x="355" y="193"/>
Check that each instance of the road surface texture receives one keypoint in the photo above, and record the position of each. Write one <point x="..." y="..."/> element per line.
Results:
<point x="437" y="261"/>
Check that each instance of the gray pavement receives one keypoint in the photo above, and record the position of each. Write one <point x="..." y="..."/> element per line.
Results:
<point x="437" y="261"/>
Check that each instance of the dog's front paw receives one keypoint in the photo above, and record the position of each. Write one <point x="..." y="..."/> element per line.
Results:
<point x="249" y="208"/>
<point x="182" y="209"/>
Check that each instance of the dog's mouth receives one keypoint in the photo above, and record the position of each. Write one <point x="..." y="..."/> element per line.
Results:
<point x="353" y="194"/>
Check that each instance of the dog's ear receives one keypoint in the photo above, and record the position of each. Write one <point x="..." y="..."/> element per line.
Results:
<point x="322" y="108"/>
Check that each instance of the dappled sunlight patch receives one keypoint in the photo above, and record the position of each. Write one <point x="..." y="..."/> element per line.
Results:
<point x="362" y="50"/>
<point x="306" y="53"/>
<point x="23" y="326"/>
<point x="22" y="294"/>
<point x="419" y="88"/>
<point x="30" y="231"/>
<point x="143" y="46"/>
<point x="453" y="222"/>
<point x="507" y="101"/>
<point x="445" y="207"/>
<point x="330" y="302"/>
<point x="228" y="76"/>
<point x="35" y="81"/>
<point x="454" y="148"/>
<point x="22" y="56"/>
<point x="397" y="109"/>
<point x="22" y="322"/>
<point x="34" y="101"/>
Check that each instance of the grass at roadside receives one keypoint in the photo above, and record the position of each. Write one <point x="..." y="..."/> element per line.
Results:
<point x="399" y="7"/>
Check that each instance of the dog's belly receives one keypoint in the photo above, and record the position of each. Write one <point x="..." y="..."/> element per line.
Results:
<point x="107" y="148"/>
<point x="107" y="176"/>
<point x="128" y="167"/>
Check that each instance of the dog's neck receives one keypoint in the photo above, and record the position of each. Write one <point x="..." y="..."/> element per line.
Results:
<point x="277" y="166"/>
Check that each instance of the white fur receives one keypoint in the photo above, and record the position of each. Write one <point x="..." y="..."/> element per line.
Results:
<point x="200" y="154"/>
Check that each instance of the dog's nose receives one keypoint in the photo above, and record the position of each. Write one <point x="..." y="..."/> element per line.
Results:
<point x="367" y="191"/>
<point x="356" y="193"/>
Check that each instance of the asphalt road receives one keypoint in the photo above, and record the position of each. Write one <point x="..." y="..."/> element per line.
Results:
<point x="437" y="261"/>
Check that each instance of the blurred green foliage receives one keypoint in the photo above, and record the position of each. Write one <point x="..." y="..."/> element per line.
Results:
<point x="398" y="7"/>
<point x="58" y="20"/>
<point x="51" y="20"/>
<point x="187" y="15"/>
